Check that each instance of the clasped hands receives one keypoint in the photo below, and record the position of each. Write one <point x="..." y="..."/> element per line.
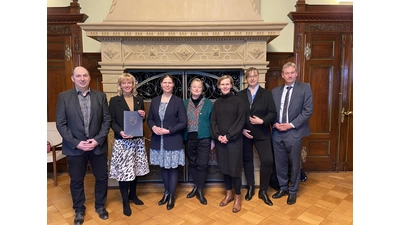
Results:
<point x="222" y="139"/>
<point x="283" y="126"/>
<point x="87" y="145"/>
<point x="159" y="130"/>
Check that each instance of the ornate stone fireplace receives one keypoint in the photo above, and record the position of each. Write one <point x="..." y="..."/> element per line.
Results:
<point x="176" y="34"/>
<point x="182" y="35"/>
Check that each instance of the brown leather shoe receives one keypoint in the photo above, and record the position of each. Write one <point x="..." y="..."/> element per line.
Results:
<point x="228" y="198"/>
<point x="237" y="204"/>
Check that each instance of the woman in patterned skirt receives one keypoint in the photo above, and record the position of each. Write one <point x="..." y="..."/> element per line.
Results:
<point x="167" y="120"/>
<point x="129" y="158"/>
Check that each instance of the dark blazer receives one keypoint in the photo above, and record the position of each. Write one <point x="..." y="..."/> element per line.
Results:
<point x="264" y="107"/>
<point x="70" y="125"/>
<point x="175" y="121"/>
<point x="300" y="108"/>
<point x="117" y="107"/>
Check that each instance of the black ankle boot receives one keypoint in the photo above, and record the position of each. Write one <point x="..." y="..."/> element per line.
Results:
<point x="250" y="193"/>
<point x="200" y="197"/>
<point x="135" y="199"/>
<point x="126" y="208"/>
<point x="164" y="198"/>
<point x="192" y="193"/>
<point x="171" y="202"/>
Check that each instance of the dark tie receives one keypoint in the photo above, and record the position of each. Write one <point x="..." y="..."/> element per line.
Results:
<point x="285" y="105"/>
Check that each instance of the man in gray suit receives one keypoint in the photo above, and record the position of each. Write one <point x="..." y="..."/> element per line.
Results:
<point x="295" y="103"/>
<point x="83" y="120"/>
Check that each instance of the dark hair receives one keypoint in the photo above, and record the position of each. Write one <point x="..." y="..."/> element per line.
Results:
<point x="165" y="76"/>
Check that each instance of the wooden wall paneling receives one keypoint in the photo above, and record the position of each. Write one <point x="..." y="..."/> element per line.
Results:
<point x="64" y="51"/>
<point x="276" y="60"/>
<point x="323" y="59"/>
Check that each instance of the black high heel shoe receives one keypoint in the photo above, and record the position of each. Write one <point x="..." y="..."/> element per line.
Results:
<point x="171" y="202"/>
<point x="164" y="198"/>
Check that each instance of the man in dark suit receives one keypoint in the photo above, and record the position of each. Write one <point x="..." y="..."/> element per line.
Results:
<point x="83" y="120"/>
<point x="261" y="113"/>
<point x="295" y="103"/>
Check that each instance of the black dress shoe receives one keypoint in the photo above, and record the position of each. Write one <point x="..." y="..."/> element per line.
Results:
<point x="103" y="214"/>
<point x="171" y="202"/>
<point x="250" y="193"/>
<point x="164" y="199"/>
<point x="78" y="220"/>
<point x="264" y="196"/>
<point x="192" y="193"/>
<point x="291" y="199"/>
<point x="280" y="194"/>
<point x="201" y="198"/>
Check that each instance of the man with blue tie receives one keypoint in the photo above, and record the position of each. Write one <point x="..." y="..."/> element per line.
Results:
<point x="295" y="103"/>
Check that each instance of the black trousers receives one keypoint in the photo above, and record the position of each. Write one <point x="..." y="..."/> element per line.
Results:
<point x="77" y="170"/>
<point x="264" y="150"/>
<point x="198" y="153"/>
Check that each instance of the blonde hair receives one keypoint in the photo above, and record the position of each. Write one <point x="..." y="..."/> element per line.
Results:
<point x="223" y="78"/>
<point x="126" y="76"/>
<point x="289" y="64"/>
<point x="197" y="80"/>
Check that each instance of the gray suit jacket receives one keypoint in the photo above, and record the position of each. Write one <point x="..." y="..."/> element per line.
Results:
<point x="300" y="108"/>
<point x="70" y="125"/>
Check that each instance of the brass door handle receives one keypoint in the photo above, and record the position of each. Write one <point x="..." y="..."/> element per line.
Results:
<point x="348" y="113"/>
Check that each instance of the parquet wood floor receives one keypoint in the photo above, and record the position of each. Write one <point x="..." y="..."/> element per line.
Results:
<point x="325" y="198"/>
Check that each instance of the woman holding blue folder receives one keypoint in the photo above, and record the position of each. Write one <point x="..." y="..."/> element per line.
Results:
<point x="129" y="157"/>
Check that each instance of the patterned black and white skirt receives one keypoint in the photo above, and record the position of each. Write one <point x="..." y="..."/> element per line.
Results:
<point x="128" y="159"/>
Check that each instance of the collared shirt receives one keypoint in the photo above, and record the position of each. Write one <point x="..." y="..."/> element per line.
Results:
<point x="283" y="101"/>
<point x="252" y="96"/>
<point x="85" y="104"/>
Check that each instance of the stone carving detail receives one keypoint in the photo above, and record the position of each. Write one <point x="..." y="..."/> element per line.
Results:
<point x="216" y="52"/>
<point x="110" y="53"/>
<point x="133" y="52"/>
<point x="257" y="51"/>
<point x="184" y="52"/>
<point x="153" y="53"/>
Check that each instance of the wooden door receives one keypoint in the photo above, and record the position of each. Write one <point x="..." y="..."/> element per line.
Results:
<point x="346" y="121"/>
<point x="59" y="68"/>
<point x="323" y="70"/>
